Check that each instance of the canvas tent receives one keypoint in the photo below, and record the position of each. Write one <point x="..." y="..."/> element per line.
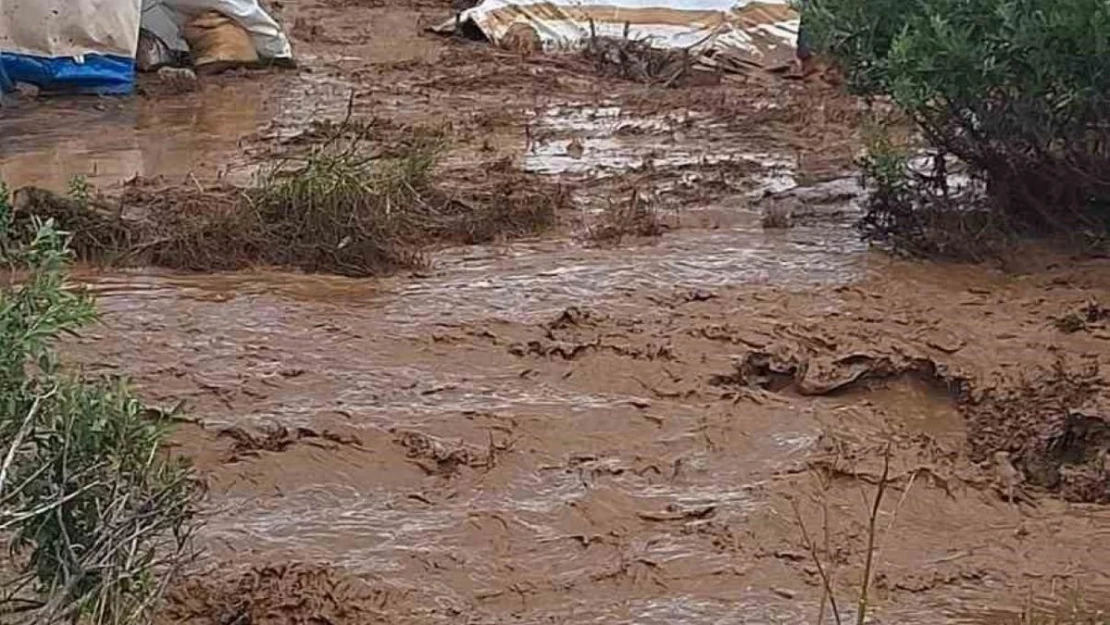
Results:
<point x="728" y="34"/>
<point x="89" y="46"/>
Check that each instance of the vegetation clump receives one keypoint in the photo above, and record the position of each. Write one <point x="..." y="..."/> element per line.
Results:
<point x="635" y="217"/>
<point x="96" y="516"/>
<point x="1012" y="94"/>
<point x="639" y="60"/>
<point x="343" y="203"/>
<point x="343" y="209"/>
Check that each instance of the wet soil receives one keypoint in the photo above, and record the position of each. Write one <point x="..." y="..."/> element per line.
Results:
<point x="627" y="458"/>
<point x="553" y="431"/>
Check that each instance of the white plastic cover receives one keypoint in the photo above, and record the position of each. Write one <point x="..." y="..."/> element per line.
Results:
<point x="69" y="28"/>
<point x="726" y="33"/>
<point x="166" y="18"/>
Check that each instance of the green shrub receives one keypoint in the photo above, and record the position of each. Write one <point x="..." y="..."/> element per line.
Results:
<point x="96" y="515"/>
<point x="913" y="208"/>
<point x="1017" y="91"/>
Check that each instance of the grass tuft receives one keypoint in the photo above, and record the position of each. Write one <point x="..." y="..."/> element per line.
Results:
<point x="343" y="203"/>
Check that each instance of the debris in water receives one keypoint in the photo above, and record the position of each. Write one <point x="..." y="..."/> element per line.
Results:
<point x="777" y="215"/>
<point x="640" y="61"/>
<point x="575" y="149"/>
<point x="635" y="217"/>
<point x="785" y="593"/>
<point x="274" y="595"/>
<point x="675" y="513"/>
<point x="339" y="206"/>
<point x="275" y="437"/>
<point x="177" y="79"/>
<point x="1090" y="315"/>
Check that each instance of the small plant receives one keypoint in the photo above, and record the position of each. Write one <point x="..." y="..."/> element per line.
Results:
<point x="6" y="217"/>
<point x="97" y="515"/>
<point x="1090" y="314"/>
<point x="637" y="216"/>
<point x="80" y="190"/>
<point x="822" y="558"/>
<point x="341" y="206"/>
<point x="914" y="208"/>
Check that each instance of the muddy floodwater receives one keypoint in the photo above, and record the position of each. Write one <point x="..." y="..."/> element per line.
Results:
<point x="665" y="430"/>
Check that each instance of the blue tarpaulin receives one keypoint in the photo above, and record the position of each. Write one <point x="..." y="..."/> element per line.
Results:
<point x="6" y="85"/>
<point x="90" y="74"/>
<point x="89" y="46"/>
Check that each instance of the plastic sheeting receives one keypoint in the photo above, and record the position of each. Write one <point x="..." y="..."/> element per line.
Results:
<point x="167" y="18"/>
<point x="69" y="28"/>
<point x="83" y="46"/>
<point x="88" y="74"/>
<point x="89" y="46"/>
<point x="731" y="34"/>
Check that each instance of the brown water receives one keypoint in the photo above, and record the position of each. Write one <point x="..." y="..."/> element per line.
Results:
<point x="544" y="431"/>
<point x="191" y="138"/>
<point x="577" y="466"/>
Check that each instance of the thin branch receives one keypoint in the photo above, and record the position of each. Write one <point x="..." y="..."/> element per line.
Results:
<point x="862" y="611"/>
<point x="812" y="548"/>
<point x="825" y="483"/>
<point x="19" y="518"/>
<point x="24" y="429"/>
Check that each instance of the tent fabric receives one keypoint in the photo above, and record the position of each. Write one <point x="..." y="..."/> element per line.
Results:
<point x="82" y="46"/>
<point x="732" y="34"/>
<point x="167" y="18"/>
<point x="69" y="28"/>
<point x="89" y="46"/>
<point x="89" y="74"/>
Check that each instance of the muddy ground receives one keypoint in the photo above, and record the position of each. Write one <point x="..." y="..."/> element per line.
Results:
<point x="549" y="431"/>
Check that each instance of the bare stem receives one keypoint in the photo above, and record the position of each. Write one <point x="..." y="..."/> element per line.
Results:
<point x="812" y="548"/>
<point x="872" y="520"/>
<point x="23" y="431"/>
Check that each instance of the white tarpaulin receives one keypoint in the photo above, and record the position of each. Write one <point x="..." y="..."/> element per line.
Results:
<point x="727" y="33"/>
<point x="69" y="28"/>
<point x="167" y="18"/>
<point x="84" y="46"/>
<point x="89" y="46"/>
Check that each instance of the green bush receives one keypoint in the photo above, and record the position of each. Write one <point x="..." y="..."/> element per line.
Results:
<point x="1016" y="91"/>
<point x="96" y="516"/>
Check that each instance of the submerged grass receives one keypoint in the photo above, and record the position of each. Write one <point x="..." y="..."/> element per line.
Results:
<point x="635" y="217"/>
<point x="639" y="60"/>
<point x="348" y="203"/>
<point x="343" y="208"/>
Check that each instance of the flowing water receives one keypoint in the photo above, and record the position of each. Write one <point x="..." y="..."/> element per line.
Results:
<point x="538" y="431"/>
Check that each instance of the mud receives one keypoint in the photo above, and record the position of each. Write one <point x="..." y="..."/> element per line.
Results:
<point x="551" y="431"/>
<point x="636" y="457"/>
